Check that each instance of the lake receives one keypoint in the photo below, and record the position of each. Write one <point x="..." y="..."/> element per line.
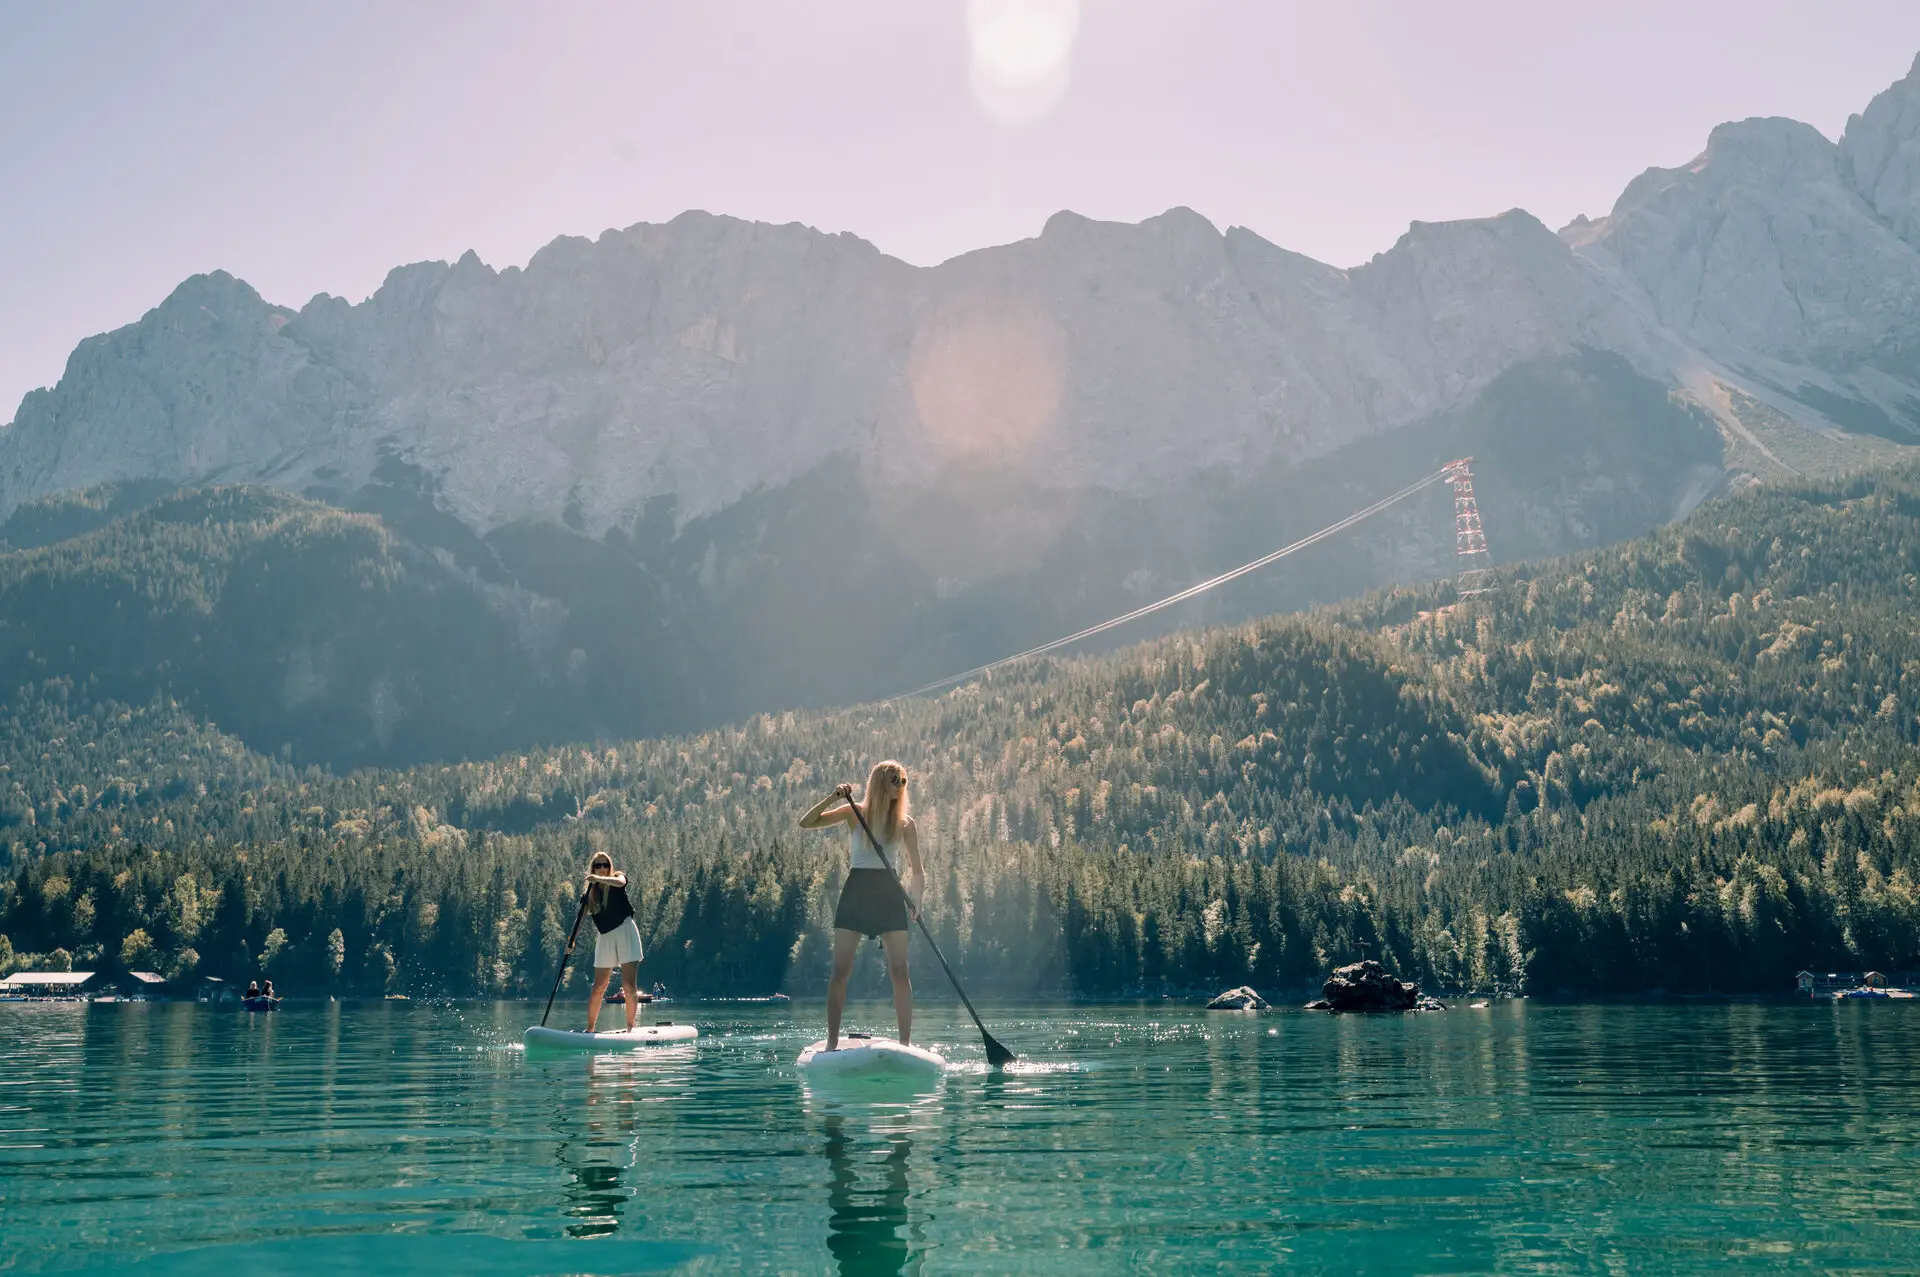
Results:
<point x="397" y="1137"/>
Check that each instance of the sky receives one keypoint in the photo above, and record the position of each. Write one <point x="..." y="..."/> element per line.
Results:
<point x="312" y="148"/>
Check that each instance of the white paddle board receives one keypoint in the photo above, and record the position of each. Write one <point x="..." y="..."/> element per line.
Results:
<point x="621" y="1040"/>
<point x="864" y="1059"/>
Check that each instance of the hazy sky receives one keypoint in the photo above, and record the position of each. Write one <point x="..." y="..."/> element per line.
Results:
<point x="311" y="148"/>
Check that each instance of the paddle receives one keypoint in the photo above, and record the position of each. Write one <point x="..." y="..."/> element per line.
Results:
<point x="565" y="958"/>
<point x="998" y="1056"/>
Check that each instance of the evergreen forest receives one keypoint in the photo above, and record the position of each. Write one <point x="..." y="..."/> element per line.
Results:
<point x="1687" y="763"/>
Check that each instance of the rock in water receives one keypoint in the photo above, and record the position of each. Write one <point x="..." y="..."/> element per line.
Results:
<point x="1240" y="999"/>
<point x="1366" y="986"/>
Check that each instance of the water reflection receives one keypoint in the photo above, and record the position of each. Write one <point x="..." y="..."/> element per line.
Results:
<point x="1528" y="1138"/>
<point x="599" y="1158"/>
<point x="867" y="1201"/>
<point x="595" y="1197"/>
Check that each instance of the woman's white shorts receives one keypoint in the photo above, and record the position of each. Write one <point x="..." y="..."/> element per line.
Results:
<point x="618" y="947"/>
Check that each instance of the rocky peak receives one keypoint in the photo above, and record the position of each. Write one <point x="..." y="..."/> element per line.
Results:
<point x="1880" y="155"/>
<point x="1762" y="151"/>
<point x="1760" y="246"/>
<point x="1768" y="149"/>
<point x="220" y="297"/>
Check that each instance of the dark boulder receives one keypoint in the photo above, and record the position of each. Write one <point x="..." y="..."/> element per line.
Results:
<point x="1240" y="999"/>
<point x="1366" y="986"/>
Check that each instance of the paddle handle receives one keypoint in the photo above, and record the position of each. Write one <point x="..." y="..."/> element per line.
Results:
<point x="952" y="979"/>
<point x="565" y="958"/>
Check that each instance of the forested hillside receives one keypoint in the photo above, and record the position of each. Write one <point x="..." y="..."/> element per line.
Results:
<point x="1686" y="762"/>
<point x="384" y="632"/>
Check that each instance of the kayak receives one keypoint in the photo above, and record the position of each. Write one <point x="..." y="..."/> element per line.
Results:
<point x="260" y="1004"/>
<point x="860" y="1058"/>
<point x="613" y="1040"/>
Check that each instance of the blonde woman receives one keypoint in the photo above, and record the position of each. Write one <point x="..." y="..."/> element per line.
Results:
<point x="873" y="902"/>
<point x="619" y="942"/>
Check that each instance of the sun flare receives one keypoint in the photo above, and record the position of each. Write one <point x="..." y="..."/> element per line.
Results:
<point x="1021" y="55"/>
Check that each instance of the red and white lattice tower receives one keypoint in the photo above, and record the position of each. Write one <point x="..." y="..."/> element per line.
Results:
<point x="1469" y="538"/>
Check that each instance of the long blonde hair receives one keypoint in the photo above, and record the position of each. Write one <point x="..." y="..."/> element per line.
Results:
<point x="882" y="790"/>
<point x="597" y="897"/>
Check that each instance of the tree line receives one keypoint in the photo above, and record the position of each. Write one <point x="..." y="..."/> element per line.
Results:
<point x="1684" y="762"/>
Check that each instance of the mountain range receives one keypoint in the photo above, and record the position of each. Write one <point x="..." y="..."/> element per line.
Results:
<point x="688" y="471"/>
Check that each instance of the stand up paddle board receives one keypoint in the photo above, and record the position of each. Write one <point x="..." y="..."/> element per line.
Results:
<point x="864" y="1059"/>
<point x="622" y="1040"/>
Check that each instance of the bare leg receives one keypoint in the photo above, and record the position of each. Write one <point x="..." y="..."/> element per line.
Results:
<point x="630" y="981"/>
<point x="846" y="944"/>
<point x="895" y="943"/>
<point x="600" y="976"/>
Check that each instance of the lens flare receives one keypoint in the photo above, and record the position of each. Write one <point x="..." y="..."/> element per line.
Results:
<point x="1022" y="50"/>
<point x="987" y="378"/>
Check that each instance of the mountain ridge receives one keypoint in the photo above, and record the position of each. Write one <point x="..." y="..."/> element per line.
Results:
<point x="683" y="443"/>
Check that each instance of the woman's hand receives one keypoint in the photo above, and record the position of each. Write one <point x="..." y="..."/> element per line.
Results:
<point x="817" y="817"/>
<point x="917" y="885"/>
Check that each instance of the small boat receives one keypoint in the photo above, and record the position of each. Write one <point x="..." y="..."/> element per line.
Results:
<point x="260" y="1004"/>
<point x="618" y="998"/>
<point x="1876" y="994"/>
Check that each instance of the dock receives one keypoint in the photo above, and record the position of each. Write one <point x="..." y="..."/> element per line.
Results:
<point x="1898" y="985"/>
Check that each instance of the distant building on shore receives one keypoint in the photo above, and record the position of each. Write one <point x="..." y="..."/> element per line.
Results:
<point x="1812" y="984"/>
<point x="47" y="984"/>
<point x="213" y="989"/>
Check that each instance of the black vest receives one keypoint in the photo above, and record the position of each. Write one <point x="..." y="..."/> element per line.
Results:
<point x="614" y="910"/>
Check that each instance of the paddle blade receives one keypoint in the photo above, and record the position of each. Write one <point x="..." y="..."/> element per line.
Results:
<point x="998" y="1056"/>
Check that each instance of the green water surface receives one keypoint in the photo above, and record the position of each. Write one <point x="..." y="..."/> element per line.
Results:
<point x="406" y="1137"/>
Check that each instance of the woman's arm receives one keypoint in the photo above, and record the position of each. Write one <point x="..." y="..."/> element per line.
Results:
<point x="841" y="803"/>
<point x="916" y="874"/>
<point x="614" y="879"/>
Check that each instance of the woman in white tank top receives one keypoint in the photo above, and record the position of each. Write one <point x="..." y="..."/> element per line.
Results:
<point x="873" y="902"/>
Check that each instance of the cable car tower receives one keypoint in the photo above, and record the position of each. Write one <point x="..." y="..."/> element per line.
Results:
<point x="1469" y="538"/>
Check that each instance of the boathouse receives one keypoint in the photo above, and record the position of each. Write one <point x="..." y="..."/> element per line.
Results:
<point x="213" y="989"/>
<point x="47" y="984"/>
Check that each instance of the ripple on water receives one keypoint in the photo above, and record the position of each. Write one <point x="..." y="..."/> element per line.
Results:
<point x="376" y="1138"/>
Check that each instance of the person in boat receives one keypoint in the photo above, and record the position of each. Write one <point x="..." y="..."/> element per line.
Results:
<point x="266" y="991"/>
<point x="873" y="902"/>
<point x="618" y="944"/>
<point x="253" y="989"/>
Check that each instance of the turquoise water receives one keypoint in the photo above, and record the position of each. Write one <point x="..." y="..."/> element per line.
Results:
<point x="391" y="1137"/>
